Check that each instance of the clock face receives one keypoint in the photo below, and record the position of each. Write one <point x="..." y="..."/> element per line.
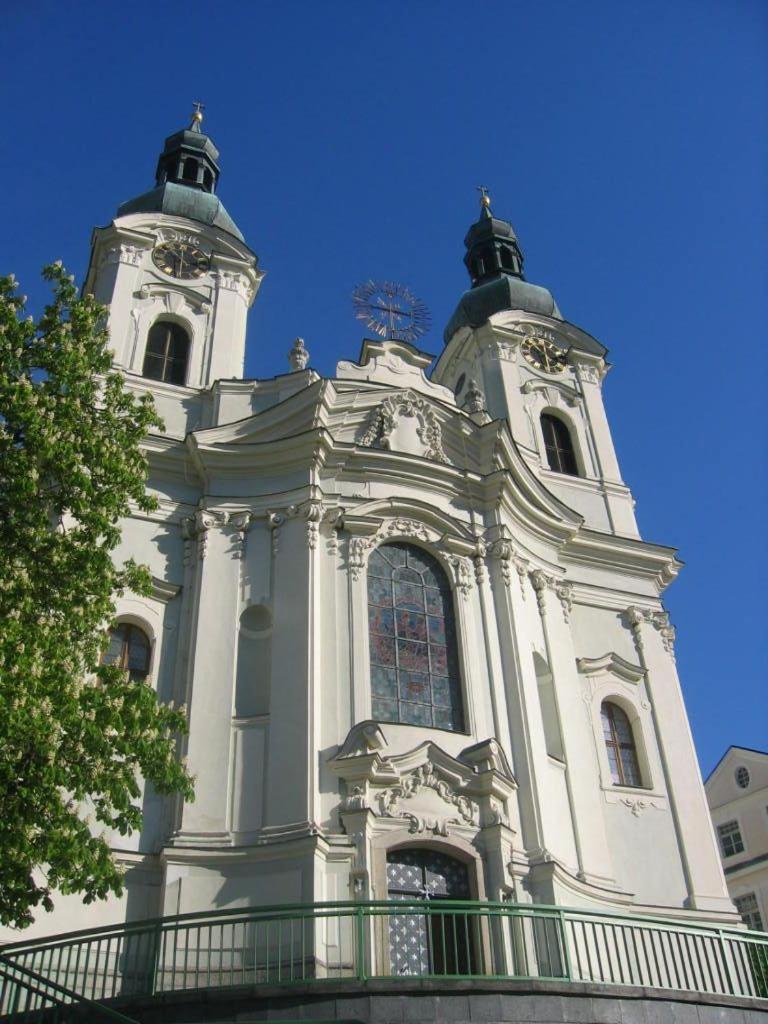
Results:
<point x="544" y="355"/>
<point x="180" y="259"/>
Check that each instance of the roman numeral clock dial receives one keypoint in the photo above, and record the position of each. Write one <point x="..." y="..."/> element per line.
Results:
<point x="181" y="260"/>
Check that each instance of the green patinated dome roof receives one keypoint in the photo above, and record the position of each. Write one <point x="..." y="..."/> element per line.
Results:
<point x="503" y="292"/>
<point x="183" y="201"/>
<point x="185" y="181"/>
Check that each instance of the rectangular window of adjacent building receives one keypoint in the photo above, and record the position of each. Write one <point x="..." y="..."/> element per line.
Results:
<point x="730" y="838"/>
<point x="749" y="910"/>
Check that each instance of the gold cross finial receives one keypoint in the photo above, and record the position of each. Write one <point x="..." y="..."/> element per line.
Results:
<point x="485" y="199"/>
<point x="197" y="114"/>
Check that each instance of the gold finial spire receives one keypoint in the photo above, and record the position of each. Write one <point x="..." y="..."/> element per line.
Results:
<point x="197" y="115"/>
<point x="485" y="199"/>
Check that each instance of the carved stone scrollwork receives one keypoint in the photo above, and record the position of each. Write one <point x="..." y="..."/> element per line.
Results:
<point x="425" y="776"/>
<point x="358" y="549"/>
<point x="462" y="573"/>
<point x="481" y="551"/>
<point x="659" y="620"/>
<point x="383" y="420"/>
<point x="197" y="527"/>
<point x="564" y="593"/>
<point x="540" y="581"/>
<point x="502" y="551"/>
<point x="636" y="806"/>
<point x="335" y="519"/>
<point x="240" y="521"/>
<point x="312" y="512"/>
<point x="124" y="253"/>
<point x="276" y="521"/>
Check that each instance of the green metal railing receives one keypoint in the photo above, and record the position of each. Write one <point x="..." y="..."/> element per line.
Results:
<point x="30" y="997"/>
<point x="284" y="945"/>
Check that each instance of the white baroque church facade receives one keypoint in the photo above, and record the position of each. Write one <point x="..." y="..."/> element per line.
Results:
<point x="417" y="631"/>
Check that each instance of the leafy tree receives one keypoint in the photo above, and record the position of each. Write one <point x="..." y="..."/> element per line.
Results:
<point x="74" y="735"/>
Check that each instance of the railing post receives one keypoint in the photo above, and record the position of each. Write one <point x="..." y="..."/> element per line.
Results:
<point x="360" y="943"/>
<point x="725" y="962"/>
<point x="156" y="958"/>
<point x="566" y="950"/>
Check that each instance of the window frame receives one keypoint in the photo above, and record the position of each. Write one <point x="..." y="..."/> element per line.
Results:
<point x="750" y="913"/>
<point x="546" y="417"/>
<point x="460" y="712"/>
<point x="167" y="360"/>
<point x="618" y="746"/>
<point x="734" y="834"/>
<point x="123" y="663"/>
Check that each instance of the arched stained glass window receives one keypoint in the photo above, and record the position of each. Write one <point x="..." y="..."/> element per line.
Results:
<point x="620" y="745"/>
<point x="559" y="445"/>
<point x="167" y="352"/>
<point x="129" y="649"/>
<point x="414" y="657"/>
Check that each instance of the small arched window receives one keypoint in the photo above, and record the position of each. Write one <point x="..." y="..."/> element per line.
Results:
<point x="559" y="445"/>
<point x="167" y="352"/>
<point x="208" y="180"/>
<point x="620" y="745"/>
<point x="414" y="655"/>
<point x="129" y="649"/>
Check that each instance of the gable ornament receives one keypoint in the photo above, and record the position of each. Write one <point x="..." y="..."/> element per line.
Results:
<point x="384" y="418"/>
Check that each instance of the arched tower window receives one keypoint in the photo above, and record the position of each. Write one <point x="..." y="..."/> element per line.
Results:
<point x="414" y="656"/>
<point x="129" y="649"/>
<point x="559" y="445"/>
<point x="167" y="353"/>
<point x="620" y="745"/>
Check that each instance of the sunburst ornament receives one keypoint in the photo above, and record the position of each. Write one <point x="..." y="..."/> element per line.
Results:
<point x="390" y="310"/>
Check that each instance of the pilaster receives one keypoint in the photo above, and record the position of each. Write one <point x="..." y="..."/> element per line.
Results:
<point x="526" y="729"/>
<point x="654" y="640"/>
<point x="214" y="546"/>
<point x="554" y="598"/>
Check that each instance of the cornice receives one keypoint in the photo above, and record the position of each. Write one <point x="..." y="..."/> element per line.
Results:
<point x="624" y="555"/>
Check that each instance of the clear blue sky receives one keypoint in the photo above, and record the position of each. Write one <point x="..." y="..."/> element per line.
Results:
<point x="626" y="141"/>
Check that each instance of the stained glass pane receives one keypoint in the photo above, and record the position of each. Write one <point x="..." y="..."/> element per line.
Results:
<point x="382" y="650"/>
<point x="437" y="631"/>
<point x="383" y="682"/>
<point x="415" y="714"/>
<point x="385" y="710"/>
<point x="381" y="620"/>
<point x="443" y="694"/>
<point x="414" y="686"/>
<point x="379" y="591"/>
<point x="412" y="656"/>
<point x="408" y="576"/>
<point x="436" y="603"/>
<point x="409" y="595"/>
<point x="438" y="657"/>
<point x="411" y="626"/>
<point x="414" y="660"/>
<point x="378" y="565"/>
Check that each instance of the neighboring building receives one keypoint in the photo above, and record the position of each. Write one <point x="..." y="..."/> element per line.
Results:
<point x="737" y="792"/>
<point x="420" y="637"/>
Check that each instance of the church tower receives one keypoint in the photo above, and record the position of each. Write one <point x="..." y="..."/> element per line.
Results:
<point x="537" y="371"/>
<point x="176" y="274"/>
